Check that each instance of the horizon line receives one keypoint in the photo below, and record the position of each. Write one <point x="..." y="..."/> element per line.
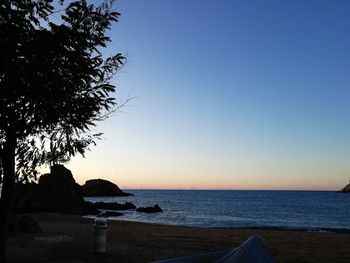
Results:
<point x="208" y="189"/>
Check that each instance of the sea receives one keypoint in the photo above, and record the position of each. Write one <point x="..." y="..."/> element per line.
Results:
<point x="322" y="211"/>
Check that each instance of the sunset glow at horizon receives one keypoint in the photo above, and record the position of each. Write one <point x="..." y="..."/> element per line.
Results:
<point x="241" y="95"/>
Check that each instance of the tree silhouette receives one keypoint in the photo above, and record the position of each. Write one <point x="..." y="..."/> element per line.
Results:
<point x="54" y="86"/>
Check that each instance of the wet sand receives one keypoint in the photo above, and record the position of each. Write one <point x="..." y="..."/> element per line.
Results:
<point x="68" y="238"/>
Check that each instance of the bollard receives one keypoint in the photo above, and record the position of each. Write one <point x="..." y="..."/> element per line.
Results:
<point x="100" y="227"/>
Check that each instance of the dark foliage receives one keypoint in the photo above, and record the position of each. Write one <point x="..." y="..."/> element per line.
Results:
<point x="54" y="82"/>
<point x="54" y="86"/>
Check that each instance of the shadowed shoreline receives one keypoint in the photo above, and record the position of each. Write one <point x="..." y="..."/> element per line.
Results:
<point x="68" y="238"/>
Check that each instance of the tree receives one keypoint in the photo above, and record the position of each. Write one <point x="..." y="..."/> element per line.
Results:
<point x="55" y="85"/>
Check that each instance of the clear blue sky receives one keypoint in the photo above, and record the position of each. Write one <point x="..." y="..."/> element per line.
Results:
<point x="229" y="95"/>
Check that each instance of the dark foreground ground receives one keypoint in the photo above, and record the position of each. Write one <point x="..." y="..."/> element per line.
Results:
<point x="68" y="238"/>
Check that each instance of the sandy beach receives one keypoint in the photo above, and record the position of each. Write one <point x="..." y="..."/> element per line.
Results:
<point x="68" y="238"/>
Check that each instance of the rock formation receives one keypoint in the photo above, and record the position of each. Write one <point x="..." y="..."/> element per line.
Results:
<point x="114" y="206"/>
<point x="150" y="209"/>
<point x="56" y="191"/>
<point x="100" y="187"/>
<point x="346" y="189"/>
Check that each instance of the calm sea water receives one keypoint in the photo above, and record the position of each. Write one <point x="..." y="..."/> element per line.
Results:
<point x="304" y="210"/>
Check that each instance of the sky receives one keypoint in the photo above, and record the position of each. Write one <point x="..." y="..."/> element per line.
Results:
<point x="241" y="94"/>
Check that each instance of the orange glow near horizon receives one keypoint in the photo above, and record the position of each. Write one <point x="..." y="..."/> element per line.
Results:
<point x="203" y="182"/>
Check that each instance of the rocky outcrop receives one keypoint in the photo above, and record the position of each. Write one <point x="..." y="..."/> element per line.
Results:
<point x="114" y="206"/>
<point x="100" y="187"/>
<point x="150" y="209"/>
<point x="56" y="191"/>
<point x="346" y="189"/>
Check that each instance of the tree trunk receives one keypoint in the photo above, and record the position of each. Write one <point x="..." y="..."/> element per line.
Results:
<point x="7" y="191"/>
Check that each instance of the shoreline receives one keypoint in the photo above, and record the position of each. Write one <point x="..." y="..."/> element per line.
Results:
<point x="68" y="238"/>
<point x="292" y="229"/>
<point x="315" y="211"/>
<point x="277" y="228"/>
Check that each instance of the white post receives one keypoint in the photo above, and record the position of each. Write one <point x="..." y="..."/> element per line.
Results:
<point x="100" y="227"/>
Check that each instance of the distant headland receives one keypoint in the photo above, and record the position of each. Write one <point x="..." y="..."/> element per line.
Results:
<point x="346" y="189"/>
